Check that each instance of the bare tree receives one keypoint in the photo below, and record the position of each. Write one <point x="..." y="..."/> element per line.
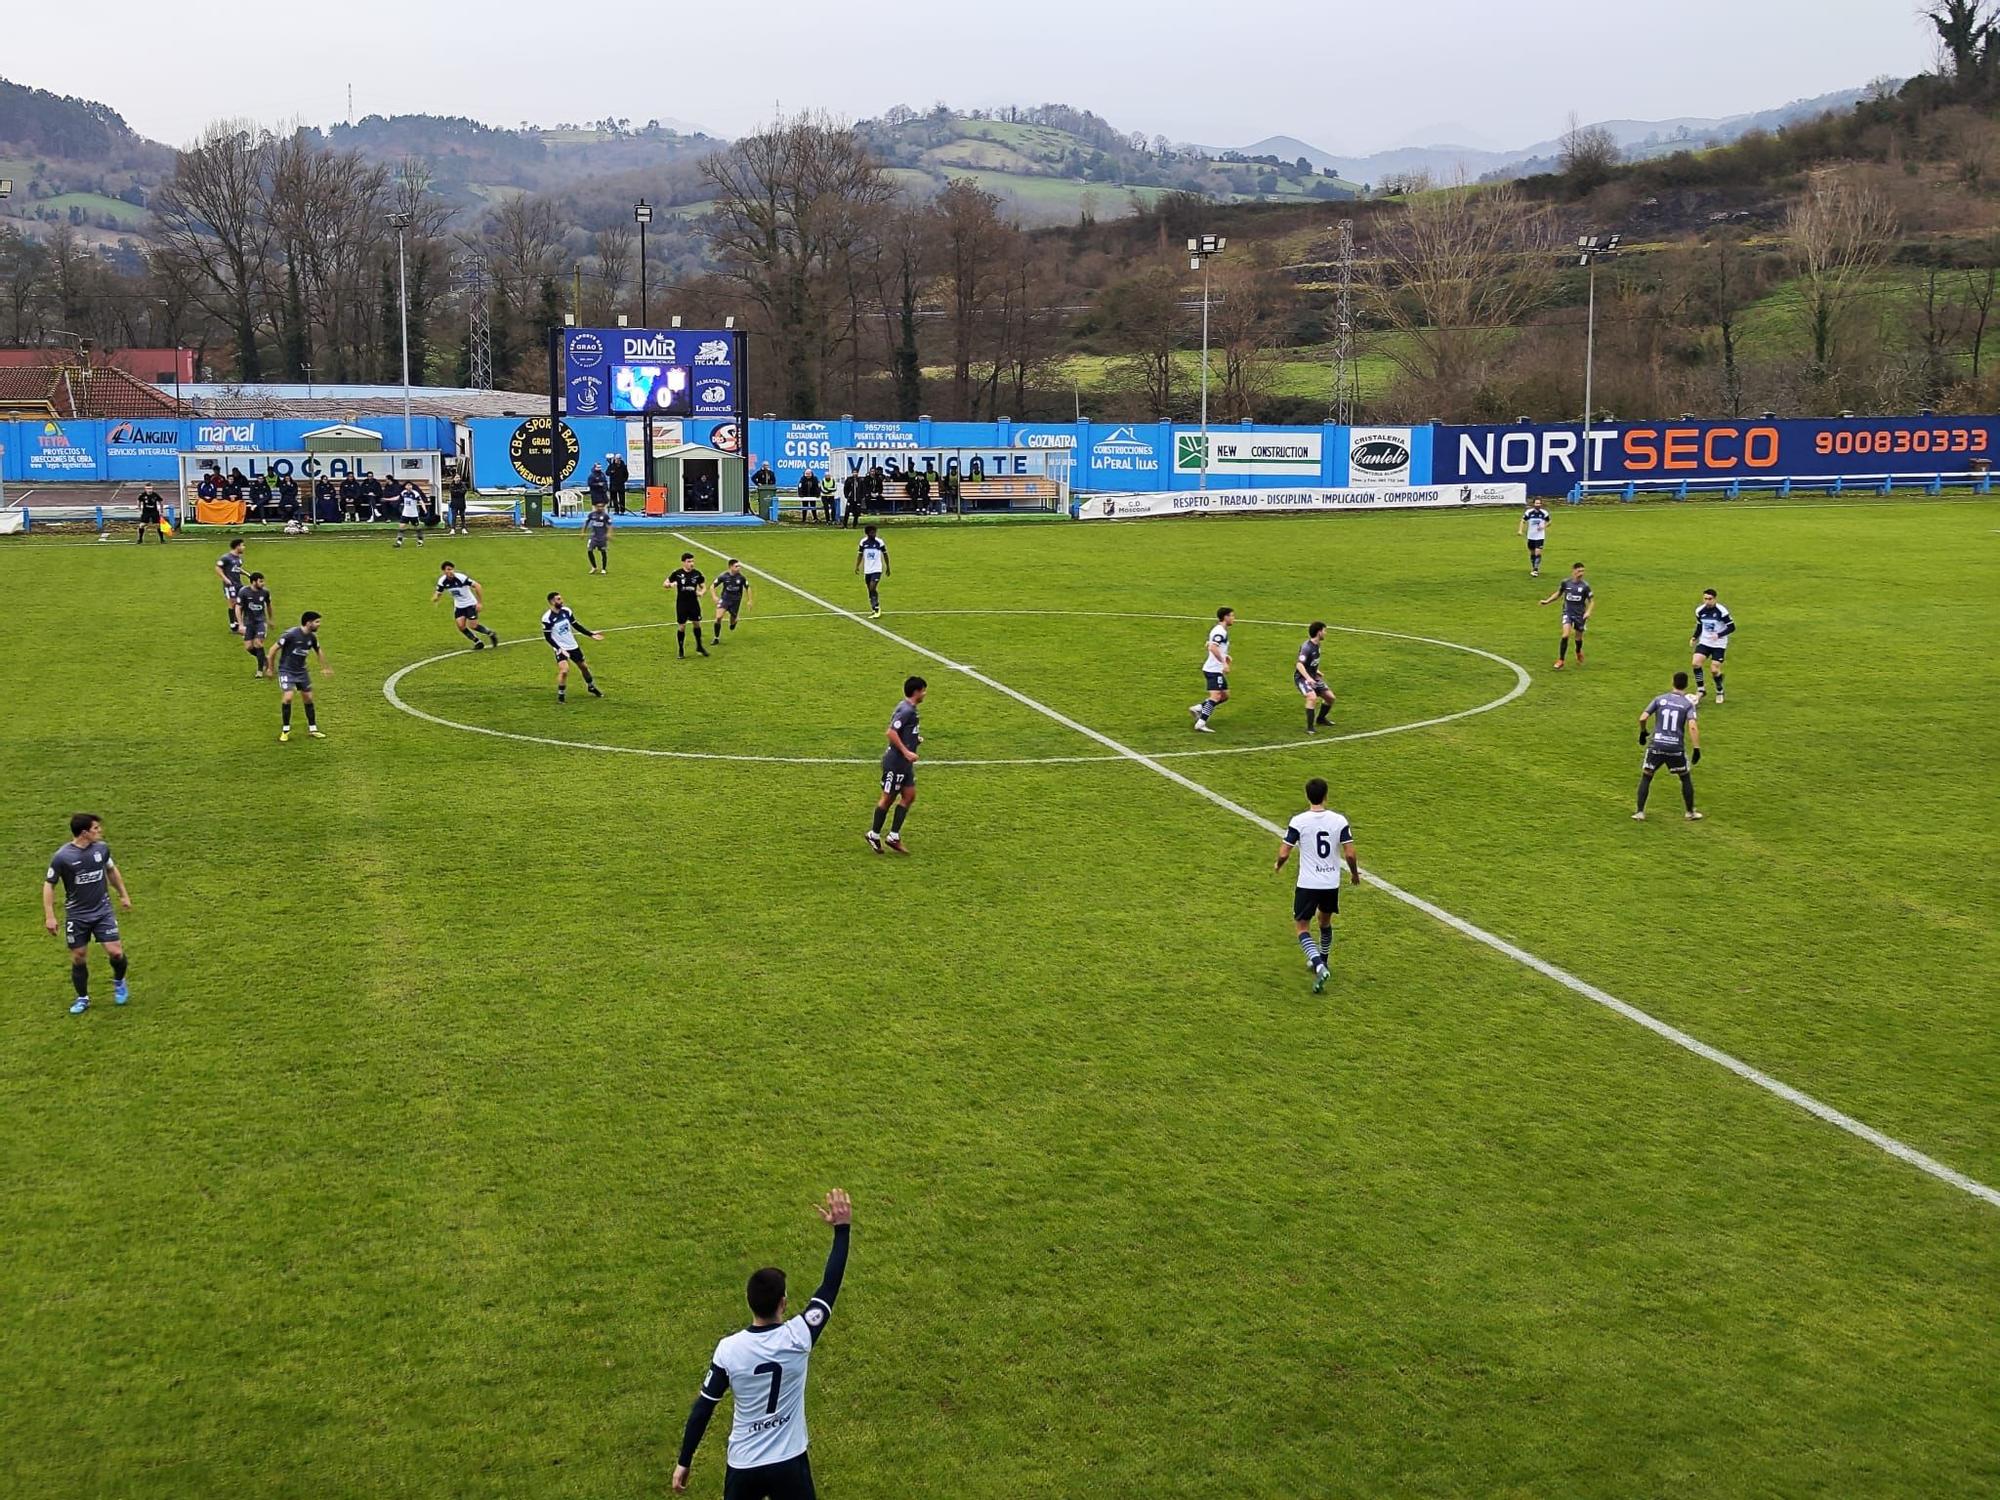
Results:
<point x="1145" y="316"/>
<point x="906" y="255"/>
<point x="1456" y="272"/>
<point x="1722" y="289"/>
<point x="1840" y="234"/>
<point x="1248" y="303"/>
<point x="1587" y="153"/>
<point x="614" y="252"/>
<point x="792" y="206"/>
<point x="210" y="216"/>
<point x="969" y="234"/>
<point x="1980" y="285"/>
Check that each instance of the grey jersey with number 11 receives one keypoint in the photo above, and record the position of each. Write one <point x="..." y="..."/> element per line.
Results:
<point x="1671" y="714"/>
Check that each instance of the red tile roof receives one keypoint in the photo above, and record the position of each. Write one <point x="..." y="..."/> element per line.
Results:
<point x="77" y="392"/>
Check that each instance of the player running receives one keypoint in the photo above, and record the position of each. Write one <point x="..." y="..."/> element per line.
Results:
<point x="294" y="676"/>
<point x="1713" y="626"/>
<point x="1673" y="735"/>
<point x="766" y="1364"/>
<point x="85" y="867"/>
<point x="412" y="516"/>
<point x="466" y="598"/>
<point x="1214" y="670"/>
<point x="1535" y="527"/>
<point x="1323" y="839"/>
<point x="560" y="628"/>
<point x="229" y="568"/>
<point x="253" y="608"/>
<point x="597" y="538"/>
<point x="1579" y="603"/>
<point x="871" y="561"/>
<point x="899" y="768"/>
<point x="732" y="593"/>
<point x="1307" y="679"/>
<point x="688" y="585"/>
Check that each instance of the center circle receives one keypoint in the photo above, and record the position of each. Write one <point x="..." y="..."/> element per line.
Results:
<point x="395" y="679"/>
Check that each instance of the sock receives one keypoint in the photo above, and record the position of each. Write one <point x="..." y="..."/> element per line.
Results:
<point x="1311" y="950"/>
<point x="1324" y="710"/>
<point x="287" y="710"/>
<point x="1645" y="788"/>
<point x="118" y="967"/>
<point x="718" y="630"/>
<point x="1309" y="718"/>
<point x="79" y="975"/>
<point x="587" y="678"/>
<point x="312" y="719"/>
<point x="1562" y="649"/>
<point x="732" y="622"/>
<point x="1325" y="941"/>
<point x="881" y="816"/>
<point x="681" y="640"/>
<point x="902" y="812"/>
<point x="1698" y="676"/>
<point x="491" y="634"/>
<point x="256" y="654"/>
<point x="263" y="659"/>
<point x="1687" y="792"/>
<point x="1718" y="684"/>
<point x="230" y="619"/>
<point x="1207" y="708"/>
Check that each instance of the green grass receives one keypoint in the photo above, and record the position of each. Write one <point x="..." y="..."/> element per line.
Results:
<point x="466" y="1078"/>
<point x="97" y="205"/>
<point x="1300" y="371"/>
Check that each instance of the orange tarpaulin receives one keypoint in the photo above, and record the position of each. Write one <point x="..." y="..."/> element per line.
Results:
<point x="220" y="512"/>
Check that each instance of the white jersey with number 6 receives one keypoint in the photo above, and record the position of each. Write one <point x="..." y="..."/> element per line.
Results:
<point x="1218" y="659"/>
<point x="1319" y="835"/>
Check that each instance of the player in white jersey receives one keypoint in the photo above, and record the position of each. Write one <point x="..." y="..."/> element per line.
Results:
<point x="1214" y="670"/>
<point x="871" y="561"/>
<point x="1323" y="840"/>
<point x="1713" y="626"/>
<point x="1535" y="527"/>
<point x="466" y="599"/>
<point x="765" y="1364"/>
<point x="560" y="628"/>
<point x="411" y="514"/>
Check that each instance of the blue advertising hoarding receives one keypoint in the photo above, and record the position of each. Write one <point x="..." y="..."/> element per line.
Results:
<point x="667" y="372"/>
<point x="1549" y="459"/>
<point x="145" y="448"/>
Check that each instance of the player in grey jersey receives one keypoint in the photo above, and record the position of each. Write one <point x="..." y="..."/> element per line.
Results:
<point x="899" y="768"/>
<point x="295" y="647"/>
<point x="1673" y="740"/>
<point x="86" y="871"/>
<point x="229" y="568"/>
<point x="597" y="534"/>
<point x="1307" y="679"/>
<point x="732" y="592"/>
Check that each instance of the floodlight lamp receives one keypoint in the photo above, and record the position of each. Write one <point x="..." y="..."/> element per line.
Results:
<point x="642" y="212"/>
<point x="401" y="220"/>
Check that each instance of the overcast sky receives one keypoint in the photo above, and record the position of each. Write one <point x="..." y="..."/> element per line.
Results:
<point x="1343" y="76"/>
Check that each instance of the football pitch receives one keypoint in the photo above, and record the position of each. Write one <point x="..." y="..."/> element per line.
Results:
<point x="479" y="1051"/>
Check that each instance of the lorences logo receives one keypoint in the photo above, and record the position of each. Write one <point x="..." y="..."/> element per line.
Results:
<point x="713" y="395"/>
<point x="1379" y="457"/>
<point x="586" y="350"/>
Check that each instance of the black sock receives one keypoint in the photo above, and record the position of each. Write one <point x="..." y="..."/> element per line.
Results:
<point x="312" y="719"/>
<point x="287" y="711"/>
<point x="1687" y="792"/>
<point x="881" y="815"/>
<point x="255" y="655"/>
<point x="1309" y="718"/>
<point x="263" y="659"/>
<point x="681" y="640"/>
<point x="1324" y="710"/>
<point x="1698" y="676"/>
<point x="1645" y="788"/>
<point x="1718" y="684"/>
<point x="118" y="966"/>
<point x="902" y="812"/>
<point x="587" y="678"/>
<point x="491" y="634"/>
<point x="718" y="630"/>
<point x="79" y="975"/>
<point x="1562" y="649"/>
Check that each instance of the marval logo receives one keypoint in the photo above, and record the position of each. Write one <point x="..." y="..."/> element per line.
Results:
<point x="226" y="432"/>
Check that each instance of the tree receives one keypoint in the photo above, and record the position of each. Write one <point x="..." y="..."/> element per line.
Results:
<point x="906" y="253"/>
<point x="1587" y="153"/>
<point x="1968" y="41"/>
<point x="969" y="233"/>
<point x="1144" y="316"/>
<point x="1839" y="235"/>
<point x="1721" y="291"/>
<point x="791" y="207"/>
<point x="1456" y="272"/>
<point x="210" y="216"/>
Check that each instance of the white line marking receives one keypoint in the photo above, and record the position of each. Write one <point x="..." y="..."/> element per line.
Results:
<point x="391" y="691"/>
<point x="1885" y="1143"/>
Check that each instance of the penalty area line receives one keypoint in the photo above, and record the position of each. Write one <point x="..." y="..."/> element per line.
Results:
<point x="1887" y="1144"/>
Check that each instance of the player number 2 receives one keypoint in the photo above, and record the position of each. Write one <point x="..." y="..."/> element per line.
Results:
<point x="777" y="1373"/>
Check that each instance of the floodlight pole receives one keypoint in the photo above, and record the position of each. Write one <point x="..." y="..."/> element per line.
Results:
<point x="642" y="212"/>
<point x="402" y="223"/>
<point x="1590" y="249"/>
<point x="1200" y="248"/>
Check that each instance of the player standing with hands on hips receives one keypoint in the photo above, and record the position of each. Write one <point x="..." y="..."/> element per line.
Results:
<point x="766" y="1364"/>
<point x="1323" y="839"/>
<point x="85" y="868"/>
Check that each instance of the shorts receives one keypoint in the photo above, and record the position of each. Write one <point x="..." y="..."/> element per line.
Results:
<point x="1713" y="653"/>
<point x="898" y="776"/>
<point x="78" y="931"/>
<point x="229" y="592"/>
<point x="1217" y="682"/>
<point x="465" y="612"/>
<point x="295" y="682"/>
<point x="731" y="607"/>
<point x="1312" y="687"/>
<point x="600" y="543"/>
<point x="572" y="653"/>
<point x="253" y="628"/>
<point x="410" y="518"/>
<point x="688" y="612"/>
<point x="788" y="1479"/>
<point x="1574" y="627"/>
<point x="1308" y="901"/>
<point x="1665" y="760"/>
<point x="1535" y="543"/>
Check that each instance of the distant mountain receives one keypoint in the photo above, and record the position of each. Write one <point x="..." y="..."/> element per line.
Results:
<point x="1639" y="139"/>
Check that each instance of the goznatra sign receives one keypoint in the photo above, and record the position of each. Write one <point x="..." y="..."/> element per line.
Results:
<point x="1550" y="460"/>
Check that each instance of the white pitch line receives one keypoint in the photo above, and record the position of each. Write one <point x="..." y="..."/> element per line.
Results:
<point x="1885" y="1143"/>
<point x="391" y="691"/>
